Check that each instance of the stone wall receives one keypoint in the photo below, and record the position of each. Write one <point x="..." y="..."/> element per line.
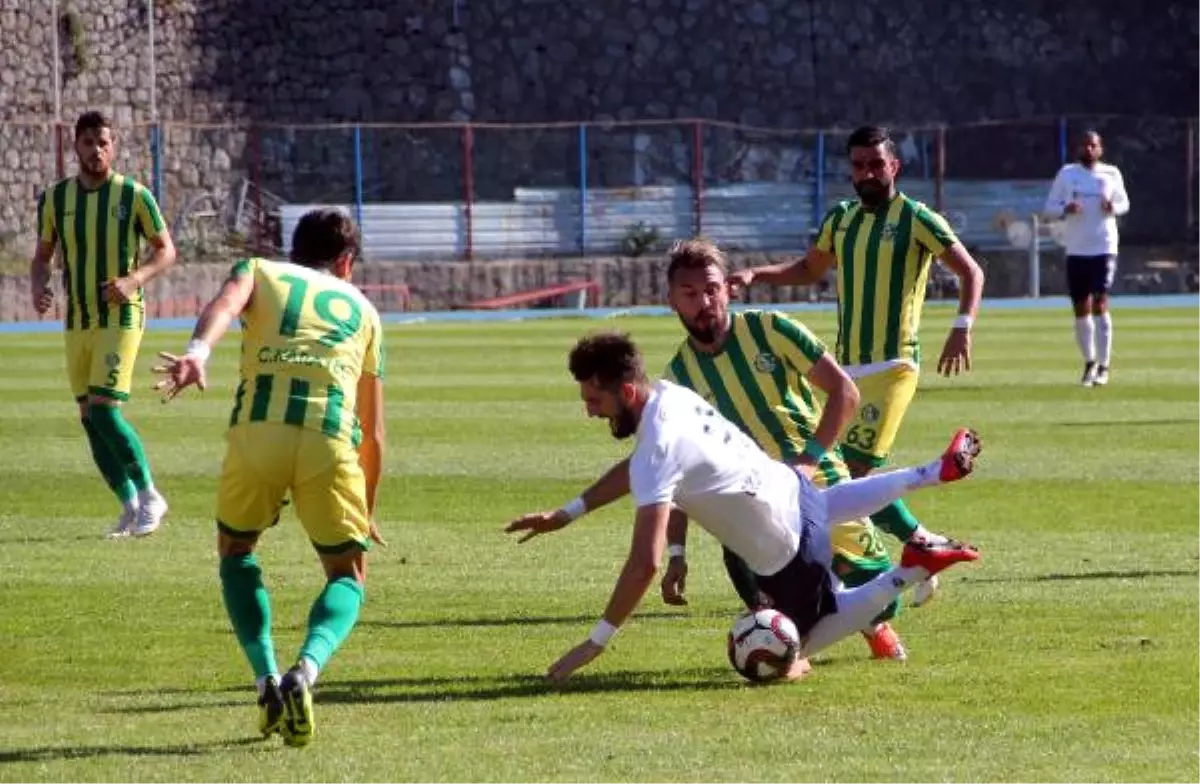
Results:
<point x="778" y="63"/>
<point x="184" y="289"/>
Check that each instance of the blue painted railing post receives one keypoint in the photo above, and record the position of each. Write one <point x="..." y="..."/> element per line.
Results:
<point x="358" y="179"/>
<point x="156" y="168"/>
<point x="583" y="188"/>
<point x="1062" y="141"/>
<point x="818" y="208"/>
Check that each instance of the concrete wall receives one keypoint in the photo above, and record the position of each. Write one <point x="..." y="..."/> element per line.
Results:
<point x="779" y="63"/>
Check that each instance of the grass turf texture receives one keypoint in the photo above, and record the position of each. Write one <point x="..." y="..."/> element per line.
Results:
<point x="1069" y="653"/>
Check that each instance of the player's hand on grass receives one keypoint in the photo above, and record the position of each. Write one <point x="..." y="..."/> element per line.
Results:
<point x="740" y="280"/>
<point x="674" y="582"/>
<point x="537" y="523"/>
<point x="572" y="660"/>
<point x="43" y="298"/>
<point x="181" y="373"/>
<point x="119" y="291"/>
<point x="956" y="354"/>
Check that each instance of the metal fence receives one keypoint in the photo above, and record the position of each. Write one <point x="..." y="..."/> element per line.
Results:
<point x="502" y="191"/>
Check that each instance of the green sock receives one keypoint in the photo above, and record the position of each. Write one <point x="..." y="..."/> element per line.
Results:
<point x="249" y="608"/>
<point x="110" y="468"/>
<point x="896" y="520"/>
<point x="124" y="443"/>
<point x="333" y="615"/>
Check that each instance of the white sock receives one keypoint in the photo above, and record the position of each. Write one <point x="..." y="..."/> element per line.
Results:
<point x="149" y="494"/>
<point x="923" y="534"/>
<point x="865" y="496"/>
<point x="1104" y="338"/>
<point x="309" y="668"/>
<point x="1084" y="335"/>
<point x="132" y="505"/>
<point x="856" y="607"/>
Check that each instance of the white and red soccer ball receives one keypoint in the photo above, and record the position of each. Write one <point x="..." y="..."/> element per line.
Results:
<point x="763" y="645"/>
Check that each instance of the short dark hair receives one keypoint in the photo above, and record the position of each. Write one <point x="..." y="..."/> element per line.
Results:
<point x="1091" y="132"/>
<point x="609" y="358"/>
<point x="321" y="236"/>
<point x="869" y="136"/>
<point x="697" y="253"/>
<point x="91" y="121"/>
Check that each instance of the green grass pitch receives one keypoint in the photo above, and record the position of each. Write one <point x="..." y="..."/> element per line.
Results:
<point x="1069" y="653"/>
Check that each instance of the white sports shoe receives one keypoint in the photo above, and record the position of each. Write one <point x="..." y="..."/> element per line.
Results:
<point x="924" y="591"/>
<point x="125" y="523"/>
<point x="151" y="510"/>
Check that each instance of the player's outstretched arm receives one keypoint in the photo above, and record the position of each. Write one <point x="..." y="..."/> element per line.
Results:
<point x="956" y="354"/>
<point x="805" y="271"/>
<point x="612" y="485"/>
<point x="369" y="410"/>
<point x="649" y="541"/>
<point x="188" y="369"/>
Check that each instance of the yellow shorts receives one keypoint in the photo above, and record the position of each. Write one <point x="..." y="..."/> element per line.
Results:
<point x="856" y="544"/>
<point x="884" y="399"/>
<point x="266" y="460"/>
<point x="100" y="361"/>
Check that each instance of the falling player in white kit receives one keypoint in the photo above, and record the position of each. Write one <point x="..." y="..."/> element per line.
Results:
<point x="1088" y="196"/>
<point x="770" y="514"/>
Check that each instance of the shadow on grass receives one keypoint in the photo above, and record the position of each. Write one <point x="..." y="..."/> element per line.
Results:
<point x="1108" y="424"/>
<point x="1108" y="574"/>
<point x="458" y="689"/>
<point x="8" y="541"/>
<point x="526" y="620"/>
<point x="474" y="689"/>
<point x="53" y="753"/>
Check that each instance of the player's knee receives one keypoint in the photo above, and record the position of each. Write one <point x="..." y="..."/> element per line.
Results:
<point x="101" y="400"/>
<point x="352" y="563"/>
<point x="230" y="545"/>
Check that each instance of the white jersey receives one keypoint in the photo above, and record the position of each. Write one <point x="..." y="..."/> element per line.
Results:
<point x="690" y="456"/>
<point x="1091" y="231"/>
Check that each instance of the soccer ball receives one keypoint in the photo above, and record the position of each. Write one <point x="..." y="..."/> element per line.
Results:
<point x="763" y="645"/>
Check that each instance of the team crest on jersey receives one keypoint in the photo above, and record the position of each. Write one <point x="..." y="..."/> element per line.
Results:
<point x="765" y="363"/>
<point x="889" y="231"/>
<point x="870" y="414"/>
<point x="112" y="359"/>
<point x="120" y="212"/>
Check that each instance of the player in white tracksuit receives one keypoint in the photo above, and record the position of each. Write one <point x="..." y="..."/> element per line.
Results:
<point x="769" y="513"/>
<point x="1087" y="197"/>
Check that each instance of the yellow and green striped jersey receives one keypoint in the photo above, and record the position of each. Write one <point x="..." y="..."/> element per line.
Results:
<point x="98" y="233"/>
<point x="883" y="259"/>
<point x="307" y="338"/>
<point x="758" y="379"/>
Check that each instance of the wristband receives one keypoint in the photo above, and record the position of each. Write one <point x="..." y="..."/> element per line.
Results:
<point x="814" y="449"/>
<point x="964" y="321"/>
<point x="675" y="550"/>
<point x="602" y="633"/>
<point x="575" y="509"/>
<point x="198" y="349"/>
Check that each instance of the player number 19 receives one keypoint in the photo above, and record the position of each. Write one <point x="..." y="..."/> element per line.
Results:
<point x="341" y="328"/>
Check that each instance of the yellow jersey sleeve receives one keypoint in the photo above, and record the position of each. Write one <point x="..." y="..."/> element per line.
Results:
<point x="828" y="228"/>
<point x="375" y="357"/>
<point x="931" y="231"/>
<point x="147" y="216"/>
<point x="47" y="232"/>
<point x="668" y="373"/>
<point x="793" y="341"/>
